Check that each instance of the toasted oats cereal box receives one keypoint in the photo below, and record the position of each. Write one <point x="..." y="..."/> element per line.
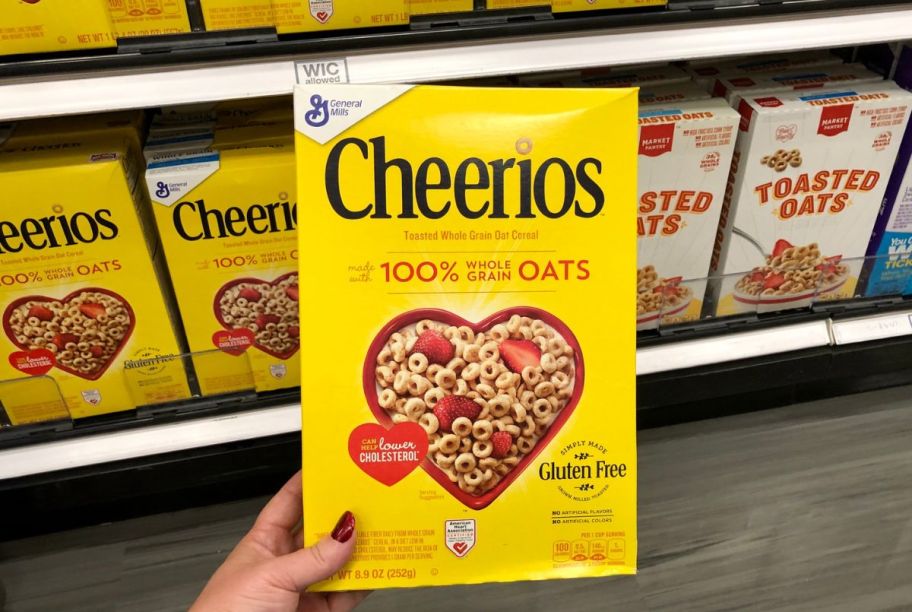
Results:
<point x="30" y="26"/>
<point x="671" y="93"/>
<point x="148" y="17"/>
<point x="705" y="73"/>
<point x="732" y="88"/>
<point x="227" y="217"/>
<point x="808" y="176"/>
<point x="291" y="16"/>
<point x="464" y="329"/>
<point x="684" y="157"/>
<point x="79" y="284"/>
<point x="431" y="7"/>
<point x="571" y="6"/>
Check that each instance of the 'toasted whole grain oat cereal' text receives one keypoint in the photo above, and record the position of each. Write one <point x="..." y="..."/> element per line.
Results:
<point x="465" y="323"/>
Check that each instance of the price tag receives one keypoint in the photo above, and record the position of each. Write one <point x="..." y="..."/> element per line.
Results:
<point x="872" y="328"/>
<point x="319" y="72"/>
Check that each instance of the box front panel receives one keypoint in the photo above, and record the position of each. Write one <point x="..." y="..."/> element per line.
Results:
<point x="475" y="392"/>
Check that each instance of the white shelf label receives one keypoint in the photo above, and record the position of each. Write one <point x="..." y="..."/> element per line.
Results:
<point x="323" y="71"/>
<point x="872" y="328"/>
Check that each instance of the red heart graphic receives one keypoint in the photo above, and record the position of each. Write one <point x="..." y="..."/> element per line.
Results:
<point x="460" y="547"/>
<point x="323" y="16"/>
<point x="388" y="455"/>
<point x="88" y="310"/>
<point x="371" y="388"/>
<point x="37" y="362"/>
<point x="285" y="285"/>
<point x="234" y="341"/>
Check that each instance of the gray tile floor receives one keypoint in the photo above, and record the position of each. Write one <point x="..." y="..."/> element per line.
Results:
<point x="801" y="508"/>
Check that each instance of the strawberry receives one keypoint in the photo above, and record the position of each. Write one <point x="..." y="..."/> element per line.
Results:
<point x="250" y="294"/>
<point x="829" y="264"/>
<point x="93" y="311"/>
<point x="97" y="351"/>
<point x="61" y="340"/>
<point x="781" y="246"/>
<point x="451" y="407"/>
<point x="292" y="293"/>
<point x="293" y="331"/>
<point x="518" y="354"/>
<point x="42" y="313"/>
<point x="263" y="319"/>
<point x="773" y="281"/>
<point x="502" y="442"/>
<point x="756" y="276"/>
<point x="434" y="346"/>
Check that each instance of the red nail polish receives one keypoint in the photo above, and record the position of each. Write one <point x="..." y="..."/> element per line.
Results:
<point x="344" y="528"/>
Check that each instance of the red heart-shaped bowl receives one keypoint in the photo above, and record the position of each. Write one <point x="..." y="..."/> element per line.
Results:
<point x="369" y="381"/>
<point x="249" y="280"/>
<point x="41" y="298"/>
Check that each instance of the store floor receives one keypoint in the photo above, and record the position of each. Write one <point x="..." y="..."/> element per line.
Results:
<point x="801" y="508"/>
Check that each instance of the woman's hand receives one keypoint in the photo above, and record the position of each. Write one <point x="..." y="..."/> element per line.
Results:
<point x="269" y="571"/>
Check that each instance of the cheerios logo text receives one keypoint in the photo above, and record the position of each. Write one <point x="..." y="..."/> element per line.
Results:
<point x="56" y="231"/>
<point x="193" y="220"/>
<point x="476" y="188"/>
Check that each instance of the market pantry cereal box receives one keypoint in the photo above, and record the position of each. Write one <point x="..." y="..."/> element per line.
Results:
<point x="808" y="176"/>
<point x="227" y="218"/>
<point x="476" y="251"/>
<point x="79" y="289"/>
<point x="733" y="88"/>
<point x="685" y="153"/>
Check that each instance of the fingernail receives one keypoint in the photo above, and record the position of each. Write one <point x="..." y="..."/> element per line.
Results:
<point x="344" y="528"/>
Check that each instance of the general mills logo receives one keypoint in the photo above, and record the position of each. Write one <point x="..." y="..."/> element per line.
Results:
<point x="318" y="116"/>
<point x="162" y="190"/>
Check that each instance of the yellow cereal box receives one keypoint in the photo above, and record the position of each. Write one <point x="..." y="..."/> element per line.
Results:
<point x="475" y="251"/>
<point x="78" y="281"/>
<point x="227" y="218"/>
<point x="431" y="7"/>
<point x="148" y="17"/>
<point x="504" y="4"/>
<point x="571" y="6"/>
<point x="292" y="16"/>
<point x="41" y="26"/>
<point x="237" y="14"/>
<point x="128" y="124"/>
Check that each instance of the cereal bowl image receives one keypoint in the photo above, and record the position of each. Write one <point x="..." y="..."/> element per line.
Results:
<point x="489" y="395"/>
<point x="659" y="297"/>
<point x="268" y="309"/>
<point x="791" y="278"/>
<point x="85" y="330"/>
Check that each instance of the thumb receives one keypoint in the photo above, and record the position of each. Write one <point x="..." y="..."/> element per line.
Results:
<point x="307" y="566"/>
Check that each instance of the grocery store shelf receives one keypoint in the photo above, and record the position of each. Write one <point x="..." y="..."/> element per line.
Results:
<point x="149" y="440"/>
<point x="732" y="347"/>
<point x="662" y="40"/>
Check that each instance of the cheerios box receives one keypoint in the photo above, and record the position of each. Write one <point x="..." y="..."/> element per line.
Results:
<point x="480" y="370"/>
<point x="433" y="7"/>
<point x="808" y="176"/>
<point x="81" y="294"/>
<point x="227" y="217"/>
<point x="148" y="17"/>
<point x="303" y="16"/>
<point x="685" y="153"/>
<point x="572" y="6"/>
<point x="54" y="25"/>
